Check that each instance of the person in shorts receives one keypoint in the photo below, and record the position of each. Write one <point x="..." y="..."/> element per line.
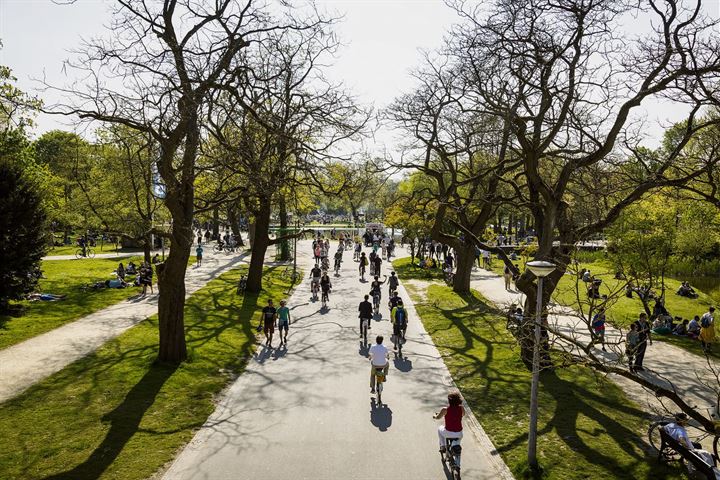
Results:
<point x="283" y="322"/>
<point x="199" y="255"/>
<point x="269" y="317"/>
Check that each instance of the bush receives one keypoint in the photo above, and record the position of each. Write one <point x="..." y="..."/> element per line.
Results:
<point x="22" y="234"/>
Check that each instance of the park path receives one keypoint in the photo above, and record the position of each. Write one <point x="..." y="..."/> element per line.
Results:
<point x="665" y="364"/>
<point x="28" y="362"/>
<point x="306" y="412"/>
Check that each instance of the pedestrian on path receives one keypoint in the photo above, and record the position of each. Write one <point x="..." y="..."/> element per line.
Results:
<point x="643" y="328"/>
<point x="269" y="319"/>
<point x="199" y="255"/>
<point x="707" y="329"/>
<point x="598" y="326"/>
<point x="632" y="339"/>
<point x="507" y="276"/>
<point x="283" y="322"/>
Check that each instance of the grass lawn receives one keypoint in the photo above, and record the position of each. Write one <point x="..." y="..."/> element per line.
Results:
<point x="588" y="428"/>
<point x="626" y="310"/>
<point x="405" y="269"/>
<point x="117" y="415"/>
<point x="64" y="277"/>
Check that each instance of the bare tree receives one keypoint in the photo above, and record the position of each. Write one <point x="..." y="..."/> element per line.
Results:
<point x="156" y="74"/>
<point x="461" y="150"/>
<point x="568" y="84"/>
<point x="281" y="123"/>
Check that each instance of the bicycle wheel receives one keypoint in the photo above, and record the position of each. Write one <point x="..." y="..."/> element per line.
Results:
<point x="79" y="254"/>
<point x="656" y="441"/>
<point x="90" y="253"/>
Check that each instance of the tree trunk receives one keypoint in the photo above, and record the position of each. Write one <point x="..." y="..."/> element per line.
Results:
<point x="216" y="224"/>
<point x="260" y="242"/>
<point x="147" y="247"/>
<point x="284" y="244"/>
<point x="465" y="261"/>
<point x="171" y="302"/>
<point x="235" y="225"/>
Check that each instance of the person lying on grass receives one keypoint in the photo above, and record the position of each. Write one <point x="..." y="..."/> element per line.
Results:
<point x="45" y="297"/>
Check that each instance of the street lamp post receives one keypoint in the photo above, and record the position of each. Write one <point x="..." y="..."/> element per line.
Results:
<point x="540" y="269"/>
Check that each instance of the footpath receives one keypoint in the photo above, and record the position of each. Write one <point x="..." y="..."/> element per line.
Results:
<point x="306" y="412"/>
<point x="667" y="365"/>
<point x="28" y="362"/>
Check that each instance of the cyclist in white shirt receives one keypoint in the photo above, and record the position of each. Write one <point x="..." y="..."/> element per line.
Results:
<point x="379" y="357"/>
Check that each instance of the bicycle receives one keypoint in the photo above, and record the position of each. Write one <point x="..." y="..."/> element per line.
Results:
<point x="669" y="454"/>
<point x="337" y="267"/>
<point x="376" y="302"/>
<point x="325" y="298"/>
<point x="242" y="285"/>
<point x="314" y="287"/>
<point x="451" y="456"/>
<point x="364" y="324"/>
<point x="85" y="253"/>
<point x="379" y="380"/>
<point x="362" y="272"/>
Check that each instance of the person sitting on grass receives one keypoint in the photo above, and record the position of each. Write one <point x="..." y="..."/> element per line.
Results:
<point x="682" y="328"/>
<point x="661" y="326"/>
<point x="131" y="269"/>
<point x="686" y="290"/>
<point x="693" y="329"/>
<point x="121" y="271"/>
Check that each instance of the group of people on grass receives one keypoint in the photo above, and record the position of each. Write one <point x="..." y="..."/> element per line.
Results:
<point x="143" y="276"/>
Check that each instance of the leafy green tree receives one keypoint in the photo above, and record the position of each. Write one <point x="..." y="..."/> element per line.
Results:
<point x="23" y="244"/>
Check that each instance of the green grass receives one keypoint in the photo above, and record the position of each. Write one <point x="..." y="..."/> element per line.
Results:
<point x="405" y="269"/>
<point x="588" y="428"/>
<point x="625" y="311"/>
<point x="64" y="277"/>
<point x="117" y="415"/>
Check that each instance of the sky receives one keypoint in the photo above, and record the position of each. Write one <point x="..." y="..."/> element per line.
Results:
<point x="383" y="42"/>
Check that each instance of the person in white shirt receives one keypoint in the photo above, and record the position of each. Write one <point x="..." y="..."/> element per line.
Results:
<point x="678" y="432"/>
<point x="379" y="356"/>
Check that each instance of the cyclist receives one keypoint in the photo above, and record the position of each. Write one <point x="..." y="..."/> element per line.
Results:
<point x="366" y="311"/>
<point x="453" y="414"/>
<point x="393" y="283"/>
<point x="325" y="286"/>
<point x="379" y="358"/>
<point x="394" y="299"/>
<point x="376" y="292"/>
<point x="338" y="260"/>
<point x="398" y="317"/>
<point x="315" y="275"/>
<point x="358" y="250"/>
<point x="363" y="264"/>
<point x="378" y="262"/>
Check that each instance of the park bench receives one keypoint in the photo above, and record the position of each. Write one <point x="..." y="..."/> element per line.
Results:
<point x="669" y="448"/>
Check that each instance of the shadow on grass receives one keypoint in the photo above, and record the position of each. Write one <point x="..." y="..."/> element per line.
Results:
<point x="124" y="421"/>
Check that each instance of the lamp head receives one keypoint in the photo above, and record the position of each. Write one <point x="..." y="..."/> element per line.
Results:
<point x="541" y="268"/>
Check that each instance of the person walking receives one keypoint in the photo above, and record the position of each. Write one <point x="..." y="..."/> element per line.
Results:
<point x="269" y="318"/>
<point x="707" y="329"/>
<point x="632" y="339"/>
<point x="199" y="255"/>
<point x="507" y="276"/>
<point x="598" y="326"/>
<point x="283" y="322"/>
<point x="643" y="329"/>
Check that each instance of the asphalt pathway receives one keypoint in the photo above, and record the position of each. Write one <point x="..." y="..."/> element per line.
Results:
<point x="28" y="362"/>
<point x="306" y="412"/>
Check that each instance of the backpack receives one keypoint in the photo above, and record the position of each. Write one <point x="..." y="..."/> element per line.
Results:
<point x="705" y="321"/>
<point x="400" y="316"/>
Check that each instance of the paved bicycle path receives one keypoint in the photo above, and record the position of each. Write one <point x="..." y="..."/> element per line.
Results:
<point x="306" y="412"/>
<point x="28" y="362"/>
<point x="665" y="364"/>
